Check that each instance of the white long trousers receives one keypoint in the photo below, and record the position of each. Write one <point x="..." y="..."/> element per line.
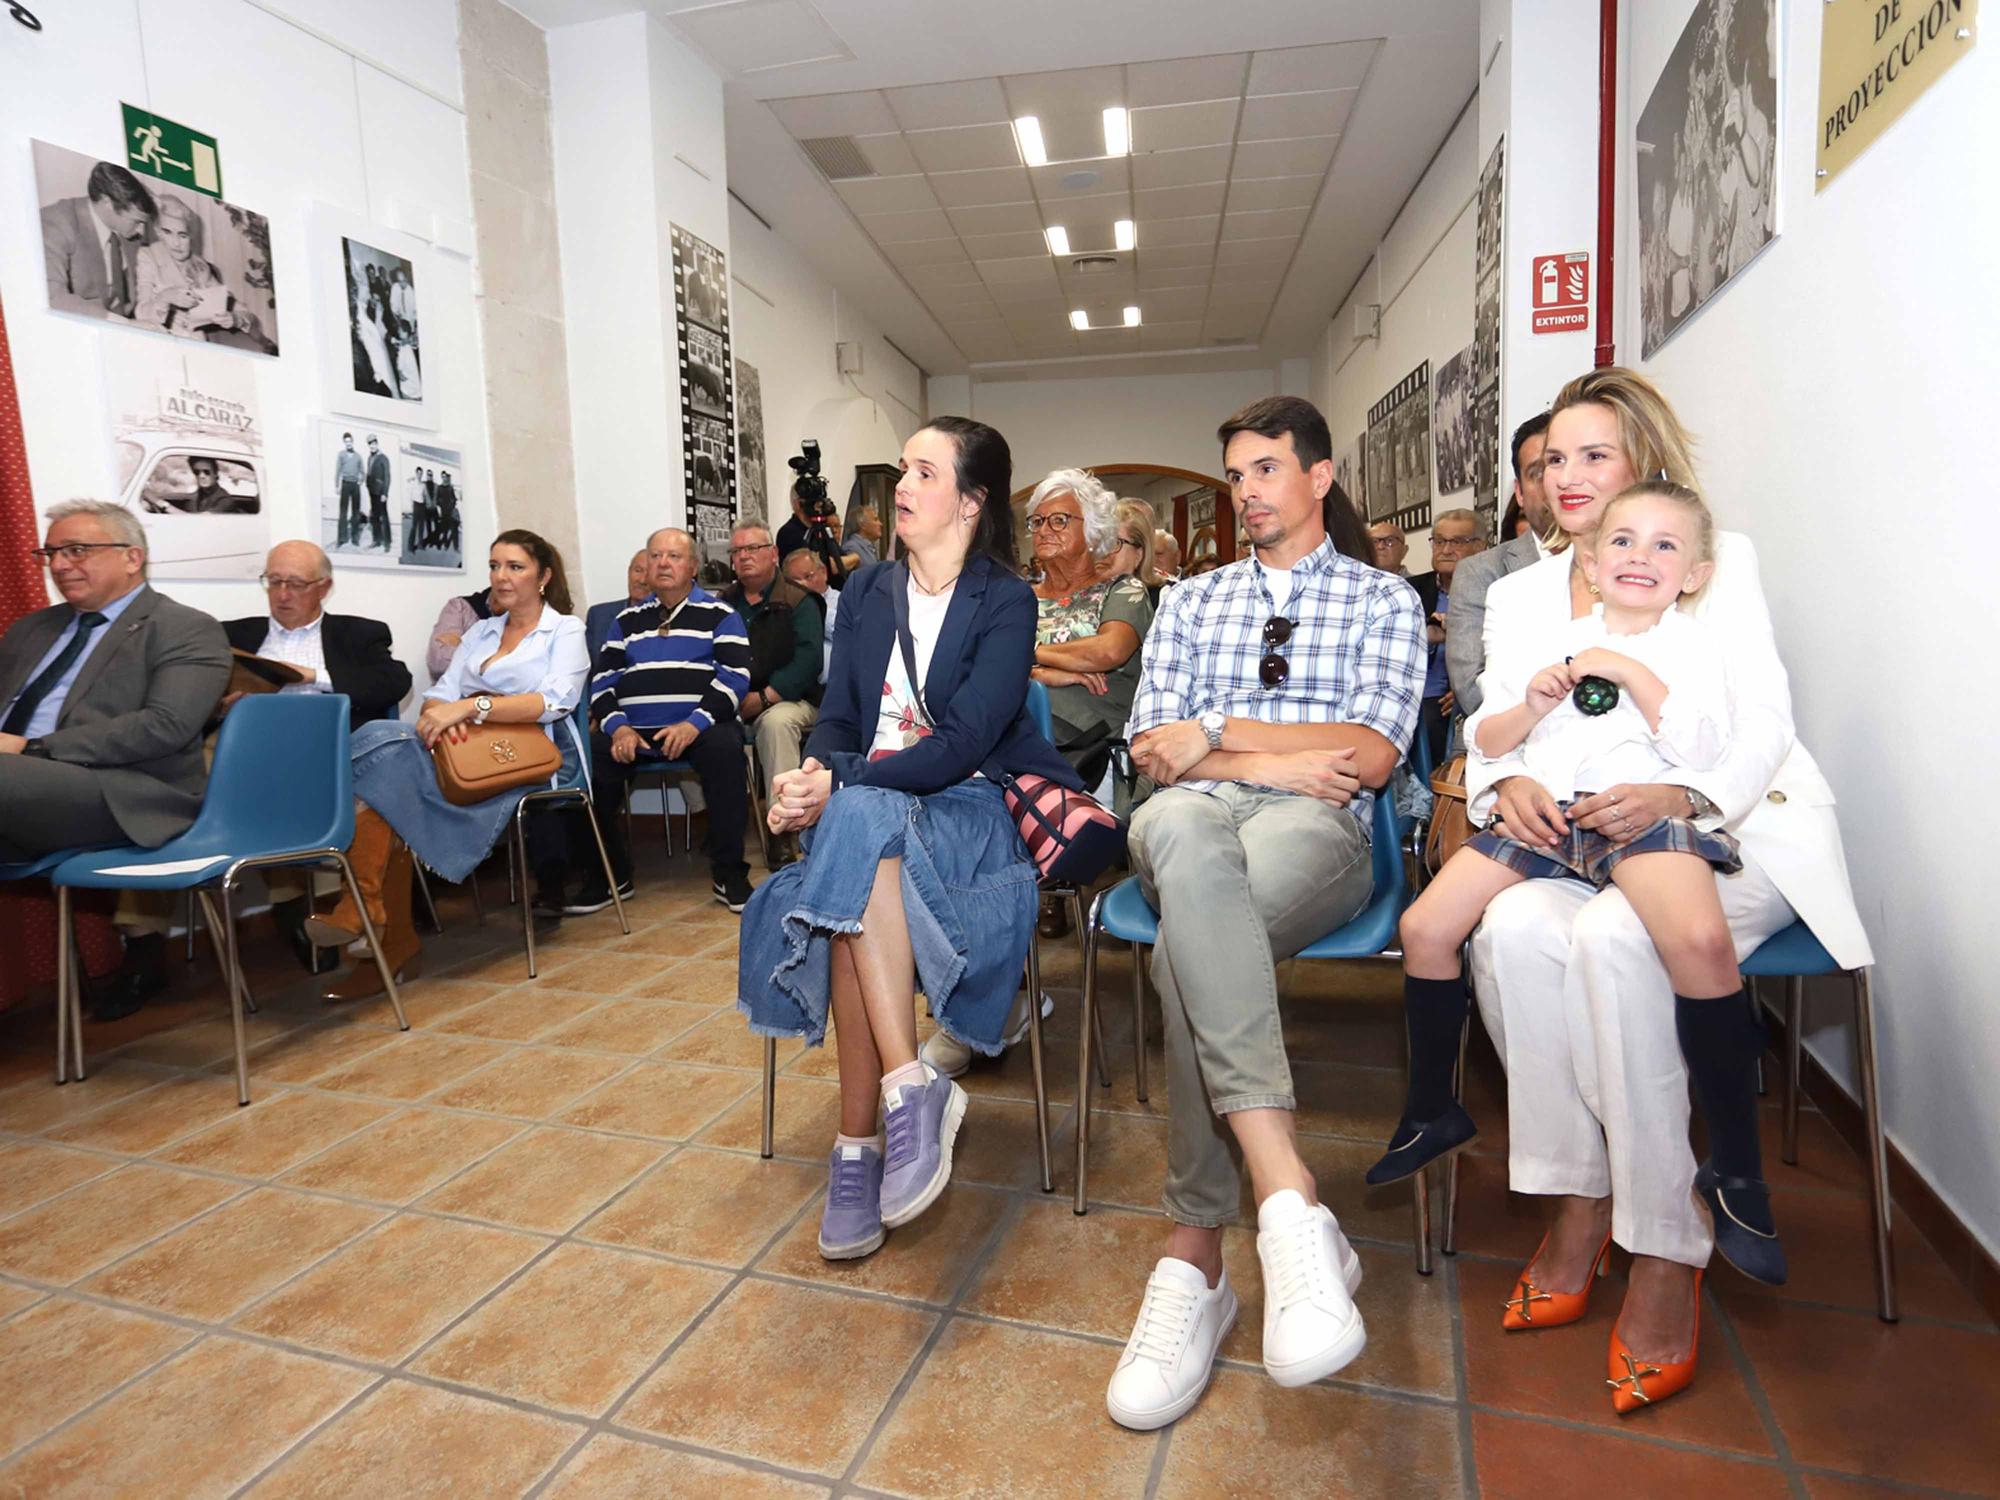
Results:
<point x="1581" y="1011"/>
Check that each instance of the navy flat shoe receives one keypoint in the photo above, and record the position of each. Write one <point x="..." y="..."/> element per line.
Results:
<point x="1418" y="1143"/>
<point x="1739" y="1209"/>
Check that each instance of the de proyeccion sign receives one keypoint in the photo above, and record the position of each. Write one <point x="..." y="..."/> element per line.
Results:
<point x="1876" y="59"/>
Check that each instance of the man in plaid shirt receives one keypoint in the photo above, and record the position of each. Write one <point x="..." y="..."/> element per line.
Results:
<point x="1277" y="695"/>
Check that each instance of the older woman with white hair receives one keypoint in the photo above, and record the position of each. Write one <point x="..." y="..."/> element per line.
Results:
<point x="176" y="285"/>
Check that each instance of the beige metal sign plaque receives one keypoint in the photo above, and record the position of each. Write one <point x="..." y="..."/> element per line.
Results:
<point x="1876" y="59"/>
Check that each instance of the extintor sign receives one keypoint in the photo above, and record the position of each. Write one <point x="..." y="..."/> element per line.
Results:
<point x="1559" y="293"/>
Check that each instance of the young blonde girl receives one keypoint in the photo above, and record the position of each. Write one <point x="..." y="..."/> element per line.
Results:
<point x="1652" y="548"/>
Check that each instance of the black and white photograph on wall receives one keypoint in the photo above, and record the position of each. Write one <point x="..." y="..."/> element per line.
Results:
<point x="130" y="249"/>
<point x="752" y="500"/>
<point x="707" y="373"/>
<point x="1486" y="333"/>
<point x="1347" y="473"/>
<point x="1706" y="176"/>
<point x="187" y="448"/>
<point x="374" y="294"/>
<point x="708" y="388"/>
<point x="712" y="525"/>
<point x="1399" y="425"/>
<point x="386" y="498"/>
<point x="383" y="334"/>
<point x="1451" y="421"/>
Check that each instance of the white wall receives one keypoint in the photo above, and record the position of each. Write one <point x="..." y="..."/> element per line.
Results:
<point x="1421" y="278"/>
<point x="352" y="136"/>
<point x="1145" y="419"/>
<point x="1838" y="387"/>
<point x="785" y="320"/>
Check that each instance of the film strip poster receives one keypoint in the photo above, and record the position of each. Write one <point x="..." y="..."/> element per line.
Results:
<point x="1399" y="431"/>
<point x="1486" y="474"/>
<point x="708" y="398"/>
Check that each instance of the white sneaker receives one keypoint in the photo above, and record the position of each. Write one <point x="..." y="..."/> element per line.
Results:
<point x="951" y="1057"/>
<point x="1311" y="1273"/>
<point x="1168" y="1359"/>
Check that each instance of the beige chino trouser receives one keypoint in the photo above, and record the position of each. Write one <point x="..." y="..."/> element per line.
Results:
<point x="780" y="733"/>
<point x="1241" y="878"/>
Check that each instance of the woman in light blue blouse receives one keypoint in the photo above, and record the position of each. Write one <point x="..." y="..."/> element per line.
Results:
<point x="527" y="664"/>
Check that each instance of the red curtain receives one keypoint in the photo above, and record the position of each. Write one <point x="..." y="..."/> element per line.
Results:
<point x="27" y="912"/>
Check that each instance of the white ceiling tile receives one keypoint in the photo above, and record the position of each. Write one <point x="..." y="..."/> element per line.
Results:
<point x="1264" y="223"/>
<point x="1273" y="192"/>
<point x="834" y="114"/>
<point x="1018" y="270"/>
<point x="888" y="153"/>
<point x="1095" y="211"/>
<point x="1178" y="202"/>
<point x="1284" y="158"/>
<point x="1169" y="127"/>
<point x="1254" y="252"/>
<point x="1195" y="229"/>
<point x="1158" y="336"/>
<point x="926" y="252"/>
<point x="1179" y="168"/>
<point x="964" y="148"/>
<point x="1022" y="300"/>
<point x="977" y="328"/>
<point x="1168" y="302"/>
<point x="1113" y="340"/>
<point x="1284" y="117"/>
<point x="932" y="106"/>
<point x="748" y="36"/>
<point x="1152" y="277"/>
<point x="1184" y="80"/>
<point x="1177" y="255"/>
<point x="1111" y="174"/>
<point x="990" y="185"/>
<point x="957" y="273"/>
<point x="1005" y="246"/>
<point x="988" y="350"/>
<point x="1338" y="65"/>
<point x="997" y="218"/>
<point x="1099" y="282"/>
<point x="899" y="229"/>
<point x="1068" y="90"/>
<point x="886" y="195"/>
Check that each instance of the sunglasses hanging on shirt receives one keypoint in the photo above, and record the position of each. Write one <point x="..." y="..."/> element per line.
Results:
<point x="1273" y="671"/>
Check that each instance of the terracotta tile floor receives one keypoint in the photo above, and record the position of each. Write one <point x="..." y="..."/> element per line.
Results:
<point x="529" y="1248"/>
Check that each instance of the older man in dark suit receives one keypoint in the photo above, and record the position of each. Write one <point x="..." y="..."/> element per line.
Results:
<point x="1465" y="626"/>
<point x="88" y="242"/>
<point x="102" y="702"/>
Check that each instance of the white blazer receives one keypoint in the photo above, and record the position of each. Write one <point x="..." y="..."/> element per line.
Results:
<point x="1771" y="793"/>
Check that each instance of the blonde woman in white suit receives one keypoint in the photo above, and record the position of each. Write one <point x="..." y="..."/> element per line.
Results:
<point x="1571" y="988"/>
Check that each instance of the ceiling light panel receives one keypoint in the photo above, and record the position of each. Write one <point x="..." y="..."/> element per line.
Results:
<point x="933" y="106"/>
<point x="1131" y="317"/>
<point x="1170" y="127"/>
<point x="1079" y="320"/>
<point x="1117" y="132"/>
<point x="862" y="113"/>
<point x="1125" y="234"/>
<point x="1337" y="65"/>
<point x="1058" y="238"/>
<point x="1028" y="135"/>
<point x="1186" y="80"/>
<point x="1288" y="116"/>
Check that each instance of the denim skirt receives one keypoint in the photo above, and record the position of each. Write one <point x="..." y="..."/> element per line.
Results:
<point x="969" y="894"/>
<point x="394" y="774"/>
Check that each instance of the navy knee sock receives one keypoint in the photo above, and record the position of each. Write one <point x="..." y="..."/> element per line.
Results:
<point x="1436" y="1011"/>
<point x="1721" y="1040"/>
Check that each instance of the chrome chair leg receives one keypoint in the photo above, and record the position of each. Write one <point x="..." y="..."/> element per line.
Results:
<point x="232" y="973"/>
<point x="190" y="927"/>
<point x="478" y="897"/>
<point x="751" y="779"/>
<point x="424" y="889"/>
<point x="233" y="978"/>
<point x="1795" y="1025"/>
<point x="1085" y="1030"/>
<point x="1138" y="1021"/>
<point x="604" y="858"/>
<point x="1035" y="1059"/>
<point x="519" y="857"/>
<point x="1878" y="1147"/>
<point x="770" y="1094"/>
<point x="68" y="982"/>
<point x="1448" y="1241"/>
<point x="374" y="944"/>
<point x="1423" y="1215"/>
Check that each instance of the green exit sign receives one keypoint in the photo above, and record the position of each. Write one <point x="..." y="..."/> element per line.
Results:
<point x="160" y="148"/>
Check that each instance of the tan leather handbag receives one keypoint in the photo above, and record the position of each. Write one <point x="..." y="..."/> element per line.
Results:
<point x="1451" y="822"/>
<point x="491" y="759"/>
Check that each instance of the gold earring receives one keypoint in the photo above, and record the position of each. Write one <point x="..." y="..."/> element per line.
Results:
<point x="1593" y="588"/>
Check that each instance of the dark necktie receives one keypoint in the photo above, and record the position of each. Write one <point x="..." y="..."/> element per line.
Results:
<point x="46" y="680"/>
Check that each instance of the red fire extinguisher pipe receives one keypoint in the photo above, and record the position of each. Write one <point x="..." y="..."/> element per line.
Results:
<point x="1607" y="172"/>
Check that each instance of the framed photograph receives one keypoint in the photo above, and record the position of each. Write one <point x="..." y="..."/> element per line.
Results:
<point x="385" y="498"/>
<point x="1399" y="452"/>
<point x="371" y="284"/>
<point x="135" y="251"/>
<point x="1486" y="331"/>
<point x="187" y="449"/>
<point x="1707" y="167"/>
<point x="707" y="373"/>
<point x="1452" y="422"/>
<point x="708" y="387"/>
<point x="751" y="484"/>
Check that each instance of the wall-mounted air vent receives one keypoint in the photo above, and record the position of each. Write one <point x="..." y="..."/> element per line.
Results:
<point x="838" y="157"/>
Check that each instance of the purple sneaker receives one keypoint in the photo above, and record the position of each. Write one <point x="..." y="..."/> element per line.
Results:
<point x="850" y="1226"/>
<point x="921" y="1121"/>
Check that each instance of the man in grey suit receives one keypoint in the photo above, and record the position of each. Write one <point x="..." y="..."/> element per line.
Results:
<point x="1465" y="626"/>
<point x="88" y="242"/>
<point x="103" y="697"/>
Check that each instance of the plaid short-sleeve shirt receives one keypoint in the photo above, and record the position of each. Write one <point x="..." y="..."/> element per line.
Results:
<point x="1356" y="653"/>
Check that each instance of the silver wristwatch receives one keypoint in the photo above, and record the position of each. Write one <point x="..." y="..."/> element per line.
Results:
<point x="484" y="705"/>
<point x="1212" y="724"/>
<point x="1703" y="807"/>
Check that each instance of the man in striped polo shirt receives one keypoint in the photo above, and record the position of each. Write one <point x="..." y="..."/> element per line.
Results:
<point x="666" y="687"/>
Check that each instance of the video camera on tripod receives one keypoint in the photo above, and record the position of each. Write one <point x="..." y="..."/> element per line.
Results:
<point x="814" y="504"/>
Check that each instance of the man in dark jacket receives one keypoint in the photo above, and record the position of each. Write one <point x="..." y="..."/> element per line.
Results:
<point x="378" y="494"/>
<point x="781" y="705"/>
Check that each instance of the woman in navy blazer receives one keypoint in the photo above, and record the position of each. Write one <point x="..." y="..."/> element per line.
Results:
<point x="914" y="874"/>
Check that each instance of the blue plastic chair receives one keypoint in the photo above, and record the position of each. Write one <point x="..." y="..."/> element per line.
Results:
<point x="567" y="789"/>
<point x="1793" y="955"/>
<point x="1122" y="912"/>
<point x="281" y="792"/>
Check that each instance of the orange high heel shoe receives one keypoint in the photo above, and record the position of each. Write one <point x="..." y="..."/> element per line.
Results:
<point x="1531" y="1307"/>
<point x="1636" y="1382"/>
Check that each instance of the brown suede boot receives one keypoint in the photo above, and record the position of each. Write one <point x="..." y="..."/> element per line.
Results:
<point x="368" y="857"/>
<point x="401" y="946"/>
